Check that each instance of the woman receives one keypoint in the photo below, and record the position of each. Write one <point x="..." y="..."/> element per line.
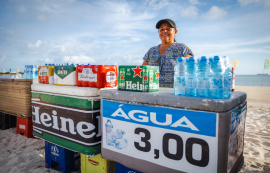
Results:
<point x="166" y="54"/>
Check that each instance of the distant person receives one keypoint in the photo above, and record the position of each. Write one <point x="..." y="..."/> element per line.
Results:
<point x="166" y="54"/>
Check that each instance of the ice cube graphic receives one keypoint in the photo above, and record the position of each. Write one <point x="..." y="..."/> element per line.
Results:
<point x="121" y="143"/>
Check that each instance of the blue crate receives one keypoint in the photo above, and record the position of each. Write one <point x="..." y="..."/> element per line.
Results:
<point x="119" y="168"/>
<point x="61" y="159"/>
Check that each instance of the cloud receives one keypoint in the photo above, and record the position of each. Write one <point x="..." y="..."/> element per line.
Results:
<point x="36" y="45"/>
<point x="191" y="11"/>
<point x="81" y="59"/>
<point x="41" y="17"/>
<point x="2" y="59"/>
<point x="247" y="2"/>
<point x="194" y="2"/>
<point x="157" y="4"/>
<point x="215" y="12"/>
<point x="22" y="9"/>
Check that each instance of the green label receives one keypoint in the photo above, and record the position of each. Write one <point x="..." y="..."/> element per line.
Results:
<point x="139" y="78"/>
<point x="63" y="71"/>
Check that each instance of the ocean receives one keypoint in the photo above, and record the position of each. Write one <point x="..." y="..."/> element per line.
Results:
<point x="252" y="80"/>
<point x="240" y="80"/>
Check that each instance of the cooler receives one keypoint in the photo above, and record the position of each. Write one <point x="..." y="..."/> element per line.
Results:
<point x="68" y="116"/>
<point x="161" y="132"/>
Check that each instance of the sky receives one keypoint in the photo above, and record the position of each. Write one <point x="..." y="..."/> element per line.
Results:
<point x="120" y="32"/>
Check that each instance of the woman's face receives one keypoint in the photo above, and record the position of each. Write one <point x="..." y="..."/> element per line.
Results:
<point x="166" y="33"/>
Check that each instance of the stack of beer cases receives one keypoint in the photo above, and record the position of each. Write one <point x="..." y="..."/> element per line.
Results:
<point x="15" y="105"/>
<point x="68" y="116"/>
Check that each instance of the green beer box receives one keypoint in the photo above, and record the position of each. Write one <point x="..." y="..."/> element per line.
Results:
<point x="138" y="78"/>
<point x="65" y="75"/>
<point x="71" y="122"/>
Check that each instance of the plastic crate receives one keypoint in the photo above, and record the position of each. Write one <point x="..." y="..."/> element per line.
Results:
<point x="96" y="165"/>
<point x="119" y="168"/>
<point x="7" y="121"/>
<point x="25" y="127"/>
<point x="61" y="159"/>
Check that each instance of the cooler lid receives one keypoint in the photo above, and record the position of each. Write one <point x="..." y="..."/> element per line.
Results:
<point x="165" y="97"/>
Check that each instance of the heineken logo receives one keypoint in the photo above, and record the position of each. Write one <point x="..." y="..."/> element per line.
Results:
<point x="157" y="75"/>
<point x="79" y="126"/>
<point x="145" y="78"/>
<point x="137" y="71"/>
<point x="136" y="86"/>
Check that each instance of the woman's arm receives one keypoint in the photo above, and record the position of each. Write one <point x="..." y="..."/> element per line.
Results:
<point x="145" y="63"/>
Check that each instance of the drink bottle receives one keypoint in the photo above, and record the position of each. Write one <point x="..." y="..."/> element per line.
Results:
<point x="227" y="87"/>
<point x="203" y="77"/>
<point x="191" y="77"/>
<point x="216" y="79"/>
<point x="25" y="72"/>
<point x="179" y="77"/>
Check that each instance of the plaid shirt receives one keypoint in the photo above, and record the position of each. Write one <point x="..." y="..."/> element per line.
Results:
<point x="166" y="62"/>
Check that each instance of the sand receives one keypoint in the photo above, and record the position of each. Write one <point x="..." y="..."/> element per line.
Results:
<point x="21" y="154"/>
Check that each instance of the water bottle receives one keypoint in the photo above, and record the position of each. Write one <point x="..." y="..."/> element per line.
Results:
<point x="31" y="72"/>
<point x="227" y="79"/>
<point x="216" y="79"/>
<point x="35" y="72"/>
<point x="179" y="77"/>
<point x="25" y="72"/>
<point x="203" y="77"/>
<point x="191" y="77"/>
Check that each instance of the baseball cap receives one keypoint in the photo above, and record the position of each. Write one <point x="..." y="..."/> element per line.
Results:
<point x="171" y="22"/>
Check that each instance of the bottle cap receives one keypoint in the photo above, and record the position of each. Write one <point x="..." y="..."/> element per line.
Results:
<point x="180" y="59"/>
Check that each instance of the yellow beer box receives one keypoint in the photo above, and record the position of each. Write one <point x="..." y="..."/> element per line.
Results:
<point x="96" y="164"/>
<point x="45" y="74"/>
<point x="65" y="75"/>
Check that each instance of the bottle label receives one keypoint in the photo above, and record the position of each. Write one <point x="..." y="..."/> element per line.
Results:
<point x="190" y="82"/>
<point x="110" y="77"/>
<point x="43" y="71"/>
<point x="216" y="83"/>
<point x="227" y="83"/>
<point x="203" y="82"/>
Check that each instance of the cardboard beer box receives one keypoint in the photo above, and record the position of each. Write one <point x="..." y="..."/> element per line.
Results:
<point x="138" y="78"/>
<point x="99" y="76"/>
<point x="65" y="75"/>
<point x="45" y="74"/>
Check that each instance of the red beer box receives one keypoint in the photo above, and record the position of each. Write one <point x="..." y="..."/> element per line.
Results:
<point x="99" y="76"/>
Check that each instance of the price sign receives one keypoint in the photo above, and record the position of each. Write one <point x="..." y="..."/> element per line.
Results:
<point x="178" y="139"/>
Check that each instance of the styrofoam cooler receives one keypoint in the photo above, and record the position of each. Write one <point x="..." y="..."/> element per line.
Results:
<point x="161" y="132"/>
<point x="68" y="116"/>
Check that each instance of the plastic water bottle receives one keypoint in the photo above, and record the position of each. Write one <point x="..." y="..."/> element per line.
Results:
<point x="31" y="72"/>
<point x="35" y="72"/>
<point x="216" y="79"/>
<point x="203" y="77"/>
<point x="179" y="77"/>
<point x="25" y="72"/>
<point x="227" y="79"/>
<point x="191" y="77"/>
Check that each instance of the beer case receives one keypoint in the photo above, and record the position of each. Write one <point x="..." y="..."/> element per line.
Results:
<point x="99" y="76"/>
<point x="96" y="164"/>
<point x="45" y="74"/>
<point x="65" y="75"/>
<point x="72" y="122"/>
<point x="138" y="78"/>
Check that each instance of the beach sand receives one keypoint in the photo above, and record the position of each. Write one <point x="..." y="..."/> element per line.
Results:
<point x="21" y="154"/>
